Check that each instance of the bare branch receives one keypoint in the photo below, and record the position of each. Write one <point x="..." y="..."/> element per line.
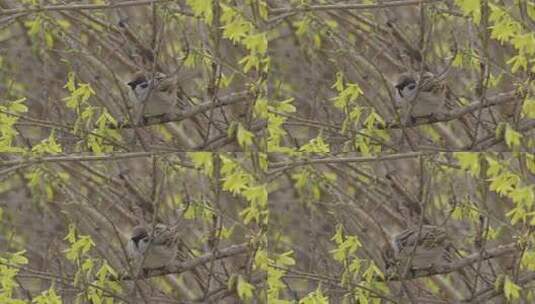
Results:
<point x="329" y="160"/>
<point x="85" y="158"/>
<point x="74" y="7"/>
<point x="179" y="116"/>
<point x="189" y="265"/>
<point x="447" y="268"/>
<point x="330" y="7"/>
<point x="500" y="98"/>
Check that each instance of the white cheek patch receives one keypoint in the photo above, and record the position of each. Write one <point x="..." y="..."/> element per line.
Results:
<point x="395" y="245"/>
<point x="141" y="93"/>
<point x="409" y="93"/>
<point x="143" y="244"/>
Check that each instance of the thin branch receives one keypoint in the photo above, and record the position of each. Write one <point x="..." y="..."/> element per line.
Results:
<point x="191" y="264"/>
<point x="500" y="98"/>
<point x="492" y="139"/>
<point x="83" y="158"/>
<point x="329" y="7"/>
<point x="182" y="115"/>
<point x="333" y="282"/>
<point x="71" y="7"/>
<point x="330" y="160"/>
<point x="457" y="265"/>
<point x="27" y="272"/>
<point x="486" y="294"/>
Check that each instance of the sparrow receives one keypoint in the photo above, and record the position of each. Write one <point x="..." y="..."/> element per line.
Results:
<point x="422" y="97"/>
<point x="154" y="247"/>
<point x="151" y="94"/>
<point x="428" y="247"/>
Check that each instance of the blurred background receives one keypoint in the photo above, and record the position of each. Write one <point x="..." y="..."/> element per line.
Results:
<point x="339" y="63"/>
<point x="53" y="211"/>
<point x="338" y="214"/>
<point x="103" y="49"/>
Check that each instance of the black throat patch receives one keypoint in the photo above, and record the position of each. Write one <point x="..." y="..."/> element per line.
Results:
<point x="134" y="83"/>
<point x="138" y="237"/>
<point x="406" y="82"/>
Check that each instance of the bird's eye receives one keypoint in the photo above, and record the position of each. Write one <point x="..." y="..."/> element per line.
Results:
<point x="144" y="85"/>
<point x="411" y="86"/>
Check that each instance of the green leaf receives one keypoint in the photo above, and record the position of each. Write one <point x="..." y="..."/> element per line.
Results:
<point x="256" y="43"/>
<point x="257" y="195"/>
<point x="235" y="182"/>
<point x="338" y="237"/>
<point x="524" y="43"/>
<point x="504" y="183"/>
<point x="49" y="39"/>
<point x="528" y="108"/>
<point x="339" y="84"/>
<point x="249" y="61"/>
<point x="249" y="214"/>
<point x="202" y="8"/>
<point x="245" y="137"/>
<point x="528" y="260"/>
<point x="48" y="146"/>
<point x="18" y="106"/>
<point x="512" y="137"/>
<point x="262" y="260"/>
<point x="469" y="161"/>
<point x="530" y="162"/>
<point x="261" y="108"/>
<point x="285" y="106"/>
<point x="458" y="60"/>
<point x="244" y="288"/>
<point x="87" y="265"/>
<point x="518" y="62"/>
<point x="48" y="297"/>
<point x="372" y="272"/>
<point x="373" y="119"/>
<point x="315" y="297"/>
<point x="494" y="167"/>
<point x="285" y="259"/>
<point x="505" y="27"/>
<point x="523" y="196"/>
<point x="85" y="91"/>
<point x="511" y="290"/>
<point x="235" y="27"/>
<point x="34" y="26"/>
<point x="236" y="30"/>
<point x="104" y="270"/>
<point x="470" y="8"/>
<point x="18" y="258"/>
<point x="316" y="145"/>
<point x="518" y="214"/>
<point x="347" y="93"/>
<point x="347" y="246"/>
<point x="79" y="244"/>
<point x="203" y="161"/>
<point x="302" y="26"/>
<point x="70" y="85"/>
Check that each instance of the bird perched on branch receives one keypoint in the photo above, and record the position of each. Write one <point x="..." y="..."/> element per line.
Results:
<point x="152" y="94"/>
<point x="152" y="247"/>
<point x="419" y="98"/>
<point x="423" y="248"/>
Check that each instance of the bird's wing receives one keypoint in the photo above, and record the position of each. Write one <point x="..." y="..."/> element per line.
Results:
<point x="429" y="237"/>
<point x="164" y="235"/>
